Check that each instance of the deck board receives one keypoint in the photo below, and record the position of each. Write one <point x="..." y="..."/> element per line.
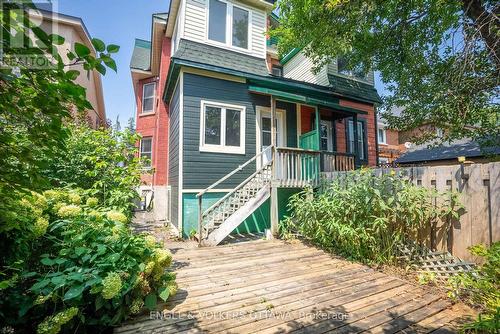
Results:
<point x="277" y="287"/>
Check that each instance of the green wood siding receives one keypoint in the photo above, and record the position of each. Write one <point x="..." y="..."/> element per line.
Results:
<point x="258" y="222"/>
<point x="173" y="155"/>
<point x="201" y="169"/>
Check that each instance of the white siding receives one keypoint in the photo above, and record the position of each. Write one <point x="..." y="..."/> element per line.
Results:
<point x="258" y="27"/>
<point x="195" y="20"/>
<point x="300" y="68"/>
<point x="195" y="24"/>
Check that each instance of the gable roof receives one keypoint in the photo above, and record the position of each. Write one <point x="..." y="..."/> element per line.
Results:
<point x="141" y="56"/>
<point x="210" y="55"/>
<point x="469" y="149"/>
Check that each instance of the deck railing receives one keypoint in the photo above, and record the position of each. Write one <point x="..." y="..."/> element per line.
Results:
<point x="295" y="167"/>
<point x="336" y="162"/>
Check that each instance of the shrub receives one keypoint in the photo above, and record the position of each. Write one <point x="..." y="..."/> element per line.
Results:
<point x="104" y="162"/>
<point x="81" y="271"/>
<point x="366" y="218"/>
<point x="481" y="288"/>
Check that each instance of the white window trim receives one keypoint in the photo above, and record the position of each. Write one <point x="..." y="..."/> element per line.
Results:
<point x="229" y="27"/>
<point x="140" y="152"/>
<point x="222" y="148"/>
<point x="383" y="142"/>
<point x="143" y="97"/>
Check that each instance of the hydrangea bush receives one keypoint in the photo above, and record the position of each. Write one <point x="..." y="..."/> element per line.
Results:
<point x="83" y="266"/>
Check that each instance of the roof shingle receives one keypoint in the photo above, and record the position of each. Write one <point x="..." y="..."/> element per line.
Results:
<point x="207" y="54"/>
<point x="141" y="56"/>
<point x="470" y="149"/>
<point x="353" y="88"/>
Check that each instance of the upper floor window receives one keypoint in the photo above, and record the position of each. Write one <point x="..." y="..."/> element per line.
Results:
<point x="148" y="97"/>
<point x="226" y="19"/>
<point x="146" y="150"/>
<point x="223" y="128"/>
<point x="356" y="72"/>
<point x="277" y="71"/>
<point x="382" y="136"/>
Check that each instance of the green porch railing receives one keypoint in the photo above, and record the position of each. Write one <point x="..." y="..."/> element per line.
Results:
<point x="310" y="140"/>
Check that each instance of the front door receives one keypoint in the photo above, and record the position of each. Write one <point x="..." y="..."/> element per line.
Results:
<point x="326" y="136"/>
<point x="264" y="127"/>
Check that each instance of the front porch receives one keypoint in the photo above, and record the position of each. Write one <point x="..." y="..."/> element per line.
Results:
<point x="329" y="136"/>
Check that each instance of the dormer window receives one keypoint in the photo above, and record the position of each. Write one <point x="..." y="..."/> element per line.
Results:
<point x="342" y="68"/>
<point x="226" y="19"/>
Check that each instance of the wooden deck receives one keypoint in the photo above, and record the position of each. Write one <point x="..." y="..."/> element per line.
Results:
<point x="277" y="287"/>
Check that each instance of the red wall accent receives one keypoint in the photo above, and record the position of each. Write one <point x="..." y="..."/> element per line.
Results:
<point x="370" y="126"/>
<point x="306" y="116"/>
<point x="156" y="125"/>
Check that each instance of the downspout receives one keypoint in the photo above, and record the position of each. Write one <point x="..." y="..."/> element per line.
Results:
<point x="376" y="135"/>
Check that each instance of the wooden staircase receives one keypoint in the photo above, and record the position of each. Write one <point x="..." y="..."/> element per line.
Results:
<point x="230" y="211"/>
<point x="287" y="167"/>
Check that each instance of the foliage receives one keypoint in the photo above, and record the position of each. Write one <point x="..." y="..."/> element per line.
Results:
<point x="366" y="218"/>
<point x="104" y="161"/>
<point x="481" y="288"/>
<point x="83" y="268"/>
<point x="35" y="102"/>
<point x="439" y="59"/>
<point x="67" y="258"/>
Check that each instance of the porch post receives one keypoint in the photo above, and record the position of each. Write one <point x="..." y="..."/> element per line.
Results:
<point x="318" y="123"/>
<point x="274" y="189"/>
<point x="355" y="148"/>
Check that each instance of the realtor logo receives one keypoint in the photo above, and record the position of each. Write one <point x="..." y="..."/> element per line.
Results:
<point x="27" y="30"/>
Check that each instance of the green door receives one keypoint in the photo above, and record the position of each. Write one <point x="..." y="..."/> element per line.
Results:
<point x="310" y="163"/>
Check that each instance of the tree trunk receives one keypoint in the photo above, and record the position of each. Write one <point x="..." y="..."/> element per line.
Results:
<point x="488" y="25"/>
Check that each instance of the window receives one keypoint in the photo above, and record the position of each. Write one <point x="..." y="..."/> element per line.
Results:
<point x="277" y="71"/>
<point x="382" y="137"/>
<point x="240" y="28"/>
<point x="227" y="19"/>
<point x="356" y="72"/>
<point x="362" y="140"/>
<point x="146" y="150"/>
<point x="222" y="128"/>
<point x="326" y="136"/>
<point x="148" y="97"/>
<point x="217" y="21"/>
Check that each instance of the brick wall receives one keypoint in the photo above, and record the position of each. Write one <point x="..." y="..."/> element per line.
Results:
<point x="155" y="125"/>
<point x="370" y="126"/>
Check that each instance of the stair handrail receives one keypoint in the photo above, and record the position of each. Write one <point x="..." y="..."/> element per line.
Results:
<point x="201" y="193"/>
<point x="236" y="170"/>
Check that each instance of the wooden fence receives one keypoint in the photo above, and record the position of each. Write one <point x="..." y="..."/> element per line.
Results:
<point x="479" y="189"/>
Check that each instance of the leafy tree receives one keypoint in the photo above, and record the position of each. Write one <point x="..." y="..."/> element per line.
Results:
<point x="34" y="103"/>
<point x="117" y="127"/>
<point x="131" y="125"/>
<point x="103" y="161"/>
<point x="439" y="59"/>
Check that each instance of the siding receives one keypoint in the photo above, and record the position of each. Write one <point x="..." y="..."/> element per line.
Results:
<point x="195" y="26"/>
<point x="201" y="169"/>
<point x="300" y="68"/>
<point x="173" y="154"/>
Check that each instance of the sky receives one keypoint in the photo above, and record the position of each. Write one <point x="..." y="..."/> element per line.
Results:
<point x="120" y="22"/>
<point x="117" y="22"/>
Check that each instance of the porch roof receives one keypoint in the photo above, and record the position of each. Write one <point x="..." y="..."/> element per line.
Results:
<point x="301" y="98"/>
